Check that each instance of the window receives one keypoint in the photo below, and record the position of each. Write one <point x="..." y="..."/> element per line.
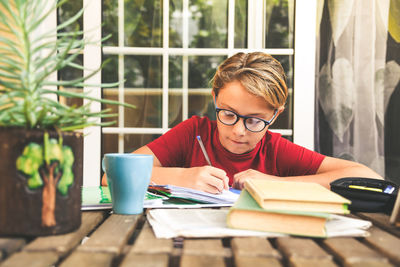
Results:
<point x="164" y="54"/>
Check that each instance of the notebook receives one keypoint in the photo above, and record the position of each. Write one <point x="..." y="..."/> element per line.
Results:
<point x="99" y="197"/>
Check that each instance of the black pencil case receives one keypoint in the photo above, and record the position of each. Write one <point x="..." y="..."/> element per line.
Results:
<point x="367" y="194"/>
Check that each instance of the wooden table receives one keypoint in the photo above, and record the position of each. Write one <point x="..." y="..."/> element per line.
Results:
<point x="117" y="240"/>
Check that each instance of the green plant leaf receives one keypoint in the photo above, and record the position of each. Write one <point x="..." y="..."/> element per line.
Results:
<point x="30" y="57"/>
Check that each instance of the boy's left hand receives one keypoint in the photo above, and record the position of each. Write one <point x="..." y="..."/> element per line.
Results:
<point x="240" y="177"/>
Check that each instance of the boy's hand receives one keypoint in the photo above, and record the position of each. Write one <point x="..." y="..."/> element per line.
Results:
<point x="206" y="178"/>
<point x="240" y="177"/>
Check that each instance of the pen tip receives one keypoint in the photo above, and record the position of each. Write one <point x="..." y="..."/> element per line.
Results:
<point x="198" y="137"/>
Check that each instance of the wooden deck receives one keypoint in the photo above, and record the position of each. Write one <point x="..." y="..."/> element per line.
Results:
<point x="118" y="240"/>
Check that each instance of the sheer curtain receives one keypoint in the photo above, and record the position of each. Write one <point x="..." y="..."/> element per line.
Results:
<point x="355" y="79"/>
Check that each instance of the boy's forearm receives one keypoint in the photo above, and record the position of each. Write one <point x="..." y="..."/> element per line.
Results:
<point x="325" y="178"/>
<point x="167" y="175"/>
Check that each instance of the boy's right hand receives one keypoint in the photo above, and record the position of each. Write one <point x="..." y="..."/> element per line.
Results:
<point x="207" y="178"/>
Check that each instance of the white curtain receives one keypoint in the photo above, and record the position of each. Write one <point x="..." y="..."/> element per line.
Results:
<point x="354" y="80"/>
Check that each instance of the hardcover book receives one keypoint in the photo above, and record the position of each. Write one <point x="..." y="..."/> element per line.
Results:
<point x="247" y="214"/>
<point x="296" y="196"/>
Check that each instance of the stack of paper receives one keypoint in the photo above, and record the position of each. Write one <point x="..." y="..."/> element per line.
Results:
<point x="202" y="223"/>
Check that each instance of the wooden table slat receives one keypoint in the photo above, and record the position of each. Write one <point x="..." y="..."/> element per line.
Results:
<point x="246" y="261"/>
<point x="303" y="252"/>
<point x="31" y="259"/>
<point x="119" y="241"/>
<point x="205" y="247"/>
<point x="303" y="262"/>
<point x="62" y="244"/>
<point x="145" y="260"/>
<point x="303" y="248"/>
<point x="380" y="220"/>
<point x="10" y="245"/>
<point x="351" y="251"/>
<point x="147" y="242"/>
<point x="112" y="235"/>
<point x="385" y="243"/>
<point x="253" y="247"/>
<point x="370" y="264"/>
<point x="88" y="259"/>
<point x="201" y="261"/>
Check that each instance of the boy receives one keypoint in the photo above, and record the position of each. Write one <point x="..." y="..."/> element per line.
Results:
<point x="249" y="92"/>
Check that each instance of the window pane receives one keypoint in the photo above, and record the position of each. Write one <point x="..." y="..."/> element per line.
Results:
<point x="110" y="22"/>
<point x="201" y="104"/>
<point x="208" y="23"/>
<point x="279" y="24"/>
<point x="175" y="91"/>
<point x="201" y="71"/>
<point x="287" y="64"/>
<point x="175" y="23"/>
<point x="285" y="120"/>
<point x="131" y="142"/>
<point x="68" y="74"/>
<point x="241" y="24"/>
<point x="142" y="89"/>
<point x="143" y="23"/>
<point x="67" y="11"/>
<point x="175" y="72"/>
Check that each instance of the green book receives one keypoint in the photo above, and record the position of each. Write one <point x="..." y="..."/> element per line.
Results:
<point x="99" y="197"/>
<point x="247" y="214"/>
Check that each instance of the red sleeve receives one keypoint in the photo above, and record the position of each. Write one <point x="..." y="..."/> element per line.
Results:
<point x="295" y="160"/>
<point x="172" y="147"/>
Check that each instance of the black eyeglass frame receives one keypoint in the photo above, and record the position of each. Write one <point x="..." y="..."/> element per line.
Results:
<point x="266" y="123"/>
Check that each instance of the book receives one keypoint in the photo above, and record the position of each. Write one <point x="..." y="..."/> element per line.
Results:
<point x="395" y="215"/>
<point x="297" y="196"/>
<point x="96" y="197"/>
<point x="99" y="197"/>
<point x="211" y="223"/>
<point x="247" y="214"/>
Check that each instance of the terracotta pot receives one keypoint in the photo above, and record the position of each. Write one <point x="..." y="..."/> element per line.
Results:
<point x="40" y="192"/>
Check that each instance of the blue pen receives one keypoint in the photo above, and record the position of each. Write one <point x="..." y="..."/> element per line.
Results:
<point x="204" y="150"/>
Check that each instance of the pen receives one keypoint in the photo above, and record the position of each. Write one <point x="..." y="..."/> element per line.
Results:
<point x="204" y="150"/>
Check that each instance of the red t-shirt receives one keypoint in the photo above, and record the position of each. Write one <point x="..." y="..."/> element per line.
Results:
<point x="273" y="155"/>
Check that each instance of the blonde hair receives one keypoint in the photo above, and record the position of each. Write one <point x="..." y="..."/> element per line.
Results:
<point x="259" y="73"/>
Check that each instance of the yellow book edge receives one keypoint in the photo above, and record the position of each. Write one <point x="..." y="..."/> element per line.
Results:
<point x="248" y="215"/>
<point x="298" y="205"/>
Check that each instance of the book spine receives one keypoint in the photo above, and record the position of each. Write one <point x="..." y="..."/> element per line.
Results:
<point x="252" y="189"/>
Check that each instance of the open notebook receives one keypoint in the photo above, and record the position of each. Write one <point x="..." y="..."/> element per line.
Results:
<point x="99" y="197"/>
<point x="164" y="196"/>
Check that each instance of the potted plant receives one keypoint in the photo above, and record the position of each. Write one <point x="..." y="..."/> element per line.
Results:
<point x="41" y="147"/>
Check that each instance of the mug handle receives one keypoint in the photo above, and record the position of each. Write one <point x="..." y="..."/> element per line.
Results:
<point x="103" y="165"/>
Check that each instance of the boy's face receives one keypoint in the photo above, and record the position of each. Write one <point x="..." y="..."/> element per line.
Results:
<point x="236" y="138"/>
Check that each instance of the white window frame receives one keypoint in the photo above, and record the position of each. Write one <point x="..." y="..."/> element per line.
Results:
<point x="303" y="77"/>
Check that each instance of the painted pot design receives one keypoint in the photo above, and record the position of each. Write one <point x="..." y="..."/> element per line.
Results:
<point x="40" y="182"/>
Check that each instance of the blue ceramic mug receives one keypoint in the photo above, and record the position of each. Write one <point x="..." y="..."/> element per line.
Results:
<point x="128" y="176"/>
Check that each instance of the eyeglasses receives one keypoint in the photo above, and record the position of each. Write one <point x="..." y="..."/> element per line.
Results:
<point x="253" y="124"/>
